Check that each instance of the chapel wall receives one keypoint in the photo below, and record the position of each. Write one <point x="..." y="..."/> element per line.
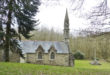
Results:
<point x="60" y="59"/>
<point x="13" y="57"/>
<point x="30" y="58"/>
<point x="0" y="55"/>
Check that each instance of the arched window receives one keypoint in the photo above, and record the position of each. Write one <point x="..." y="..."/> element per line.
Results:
<point x="40" y="55"/>
<point x="52" y="56"/>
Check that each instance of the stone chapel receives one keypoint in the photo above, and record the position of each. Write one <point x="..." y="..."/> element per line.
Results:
<point x="47" y="52"/>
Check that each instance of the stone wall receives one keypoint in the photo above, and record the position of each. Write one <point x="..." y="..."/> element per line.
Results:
<point x="60" y="59"/>
<point x="14" y="57"/>
<point x="30" y="57"/>
<point x="44" y="58"/>
<point x="0" y="55"/>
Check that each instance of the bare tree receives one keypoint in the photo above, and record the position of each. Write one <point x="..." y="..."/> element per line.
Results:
<point x="100" y="16"/>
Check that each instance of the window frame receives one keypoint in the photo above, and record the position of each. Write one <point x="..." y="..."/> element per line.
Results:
<point x="41" y="57"/>
<point x="51" y="56"/>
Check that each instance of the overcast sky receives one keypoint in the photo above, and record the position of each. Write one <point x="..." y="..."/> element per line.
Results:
<point x="52" y="12"/>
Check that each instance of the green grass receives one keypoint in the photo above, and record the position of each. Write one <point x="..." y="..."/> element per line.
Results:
<point x="82" y="67"/>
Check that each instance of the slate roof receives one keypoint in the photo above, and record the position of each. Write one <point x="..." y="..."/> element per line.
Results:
<point x="31" y="46"/>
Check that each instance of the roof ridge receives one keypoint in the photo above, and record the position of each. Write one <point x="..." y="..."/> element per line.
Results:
<point x="42" y="41"/>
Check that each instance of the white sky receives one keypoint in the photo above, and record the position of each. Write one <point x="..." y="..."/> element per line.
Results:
<point x="52" y="12"/>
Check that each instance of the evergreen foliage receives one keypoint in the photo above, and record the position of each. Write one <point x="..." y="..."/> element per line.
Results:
<point x="18" y="13"/>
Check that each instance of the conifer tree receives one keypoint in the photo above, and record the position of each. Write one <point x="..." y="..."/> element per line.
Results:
<point x="17" y="13"/>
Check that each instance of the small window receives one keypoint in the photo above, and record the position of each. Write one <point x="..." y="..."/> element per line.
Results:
<point x="40" y="55"/>
<point x="52" y="55"/>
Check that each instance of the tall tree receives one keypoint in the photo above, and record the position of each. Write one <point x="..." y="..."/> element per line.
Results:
<point x="17" y="13"/>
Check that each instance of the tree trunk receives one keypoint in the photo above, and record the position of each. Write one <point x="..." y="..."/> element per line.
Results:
<point x="7" y="37"/>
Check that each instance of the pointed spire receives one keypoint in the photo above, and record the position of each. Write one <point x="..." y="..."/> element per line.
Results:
<point x="66" y="27"/>
<point x="66" y="16"/>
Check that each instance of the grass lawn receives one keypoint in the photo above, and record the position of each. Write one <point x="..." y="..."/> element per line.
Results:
<point x="82" y="67"/>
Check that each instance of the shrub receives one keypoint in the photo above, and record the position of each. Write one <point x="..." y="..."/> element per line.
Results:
<point x="79" y="55"/>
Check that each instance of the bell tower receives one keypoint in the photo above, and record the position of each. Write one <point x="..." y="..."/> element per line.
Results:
<point x="66" y="38"/>
<point x="66" y="28"/>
